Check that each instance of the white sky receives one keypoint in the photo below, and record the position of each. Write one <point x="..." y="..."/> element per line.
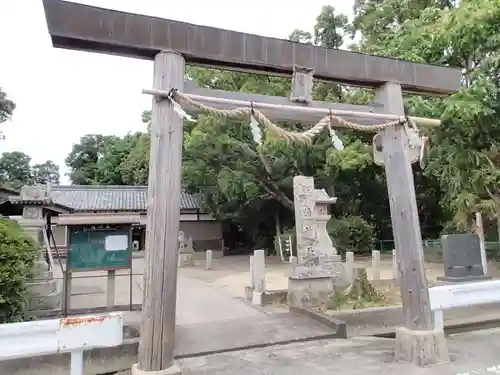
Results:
<point x="62" y="95"/>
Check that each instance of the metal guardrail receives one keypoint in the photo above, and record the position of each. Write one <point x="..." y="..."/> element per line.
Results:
<point x="69" y="335"/>
<point x="446" y="297"/>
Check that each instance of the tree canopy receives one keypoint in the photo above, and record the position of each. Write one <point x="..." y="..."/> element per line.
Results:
<point x="249" y="186"/>
<point x="16" y="170"/>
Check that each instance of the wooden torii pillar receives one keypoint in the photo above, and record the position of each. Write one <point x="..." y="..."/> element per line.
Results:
<point x="172" y="44"/>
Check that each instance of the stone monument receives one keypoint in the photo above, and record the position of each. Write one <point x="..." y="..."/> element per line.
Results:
<point x="44" y="291"/>
<point x="186" y="251"/>
<point x="319" y="268"/>
<point x="462" y="258"/>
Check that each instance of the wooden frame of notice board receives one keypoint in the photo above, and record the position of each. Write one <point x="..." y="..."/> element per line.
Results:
<point x="98" y="243"/>
<point x="99" y="247"/>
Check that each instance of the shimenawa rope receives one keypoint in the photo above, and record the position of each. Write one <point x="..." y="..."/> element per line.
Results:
<point x="296" y="137"/>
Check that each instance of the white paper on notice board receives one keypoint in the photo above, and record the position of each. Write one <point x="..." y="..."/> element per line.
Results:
<point x="116" y="242"/>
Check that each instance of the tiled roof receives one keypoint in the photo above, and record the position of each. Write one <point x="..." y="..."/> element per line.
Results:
<point x="110" y="198"/>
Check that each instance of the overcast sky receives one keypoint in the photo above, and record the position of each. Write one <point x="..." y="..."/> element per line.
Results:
<point x="62" y="95"/>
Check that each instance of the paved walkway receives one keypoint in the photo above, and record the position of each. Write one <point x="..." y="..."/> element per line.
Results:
<point x="210" y="320"/>
<point x="473" y="353"/>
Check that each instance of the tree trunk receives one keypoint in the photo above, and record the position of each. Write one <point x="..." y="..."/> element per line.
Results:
<point x="360" y="287"/>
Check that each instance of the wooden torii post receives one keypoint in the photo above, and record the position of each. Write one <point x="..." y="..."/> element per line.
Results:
<point x="172" y="44"/>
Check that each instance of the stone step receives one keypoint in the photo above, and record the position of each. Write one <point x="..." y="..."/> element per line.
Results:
<point x="40" y="266"/>
<point x="45" y="287"/>
<point x="48" y="302"/>
<point x="43" y="276"/>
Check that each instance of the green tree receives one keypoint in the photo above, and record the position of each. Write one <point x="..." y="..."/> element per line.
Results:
<point x="6" y="107"/>
<point x="115" y="152"/>
<point x="15" y="169"/>
<point x="17" y="255"/>
<point x="83" y="158"/>
<point x="464" y="160"/>
<point x="45" y="173"/>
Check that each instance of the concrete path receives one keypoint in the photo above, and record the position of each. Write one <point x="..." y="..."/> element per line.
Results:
<point x="210" y="320"/>
<point x="472" y="354"/>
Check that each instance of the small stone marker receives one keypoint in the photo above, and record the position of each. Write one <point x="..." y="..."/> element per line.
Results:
<point x="259" y="271"/>
<point x="293" y="263"/>
<point x="186" y="251"/>
<point x="349" y="265"/>
<point x="395" y="268"/>
<point x="376" y="264"/>
<point x="208" y="265"/>
<point x="252" y="274"/>
<point x="462" y="258"/>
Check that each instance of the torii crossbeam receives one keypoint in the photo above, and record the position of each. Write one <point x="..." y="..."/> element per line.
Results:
<point x="172" y="44"/>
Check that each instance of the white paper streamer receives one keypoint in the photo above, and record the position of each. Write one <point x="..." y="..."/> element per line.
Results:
<point x="256" y="133"/>
<point x="336" y="141"/>
<point x="414" y="138"/>
<point x="182" y="113"/>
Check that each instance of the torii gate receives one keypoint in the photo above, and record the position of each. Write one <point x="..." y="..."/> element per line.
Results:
<point x="172" y="44"/>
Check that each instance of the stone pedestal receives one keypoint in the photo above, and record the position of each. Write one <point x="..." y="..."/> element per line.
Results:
<point x="422" y="348"/>
<point x="309" y="291"/>
<point x="172" y="370"/>
<point x="186" y="251"/>
<point x="44" y="292"/>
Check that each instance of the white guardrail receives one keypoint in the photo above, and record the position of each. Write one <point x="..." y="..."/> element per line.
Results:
<point x="446" y="297"/>
<point x="68" y="335"/>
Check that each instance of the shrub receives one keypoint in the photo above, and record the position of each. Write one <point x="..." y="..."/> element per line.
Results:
<point x="351" y="233"/>
<point x="18" y="252"/>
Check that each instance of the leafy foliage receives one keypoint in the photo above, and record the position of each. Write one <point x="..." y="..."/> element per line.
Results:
<point x="17" y="255"/>
<point x="16" y="171"/>
<point x="352" y="233"/>
<point x="7" y="107"/>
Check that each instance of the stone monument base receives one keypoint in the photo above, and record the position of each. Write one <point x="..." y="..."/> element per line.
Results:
<point x="306" y="292"/>
<point x="172" y="370"/>
<point x="463" y="279"/>
<point x="44" y="292"/>
<point x="422" y="348"/>
<point x="186" y="260"/>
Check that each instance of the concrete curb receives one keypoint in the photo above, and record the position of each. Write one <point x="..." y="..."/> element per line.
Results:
<point x="269" y="297"/>
<point x="339" y="326"/>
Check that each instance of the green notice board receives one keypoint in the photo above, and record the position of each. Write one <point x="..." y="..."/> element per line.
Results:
<point x="99" y="247"/>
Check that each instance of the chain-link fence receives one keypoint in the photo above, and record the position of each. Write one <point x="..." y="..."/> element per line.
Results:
<point x="433" y="252"/>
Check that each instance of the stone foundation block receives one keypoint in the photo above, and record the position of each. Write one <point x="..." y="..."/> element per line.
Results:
<point x="186" y="260"/>
<point x="172" y="370"/>
<point x="45" y="302"/>
<point x="422" y="348"/>
<point x="43" y="287"/>
<point x="309" y="291"/>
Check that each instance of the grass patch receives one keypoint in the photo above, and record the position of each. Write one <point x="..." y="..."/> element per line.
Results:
<point x="341" y="301"/>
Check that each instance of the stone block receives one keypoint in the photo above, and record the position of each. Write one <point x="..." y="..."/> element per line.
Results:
<point x="40" y="267"/>
<point x="209" y="257"/>
<point x="462" y="258"/>
<point x="172" y="370"/>
<point x="421" y="348"/>
<point x="259" y="272"/>
<point x="45" y="302"/>
<point x="309" y="291"/>
<point x="376" y="264"/>
<point x="186" y="260"/>
<point x="42" y="288"/>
